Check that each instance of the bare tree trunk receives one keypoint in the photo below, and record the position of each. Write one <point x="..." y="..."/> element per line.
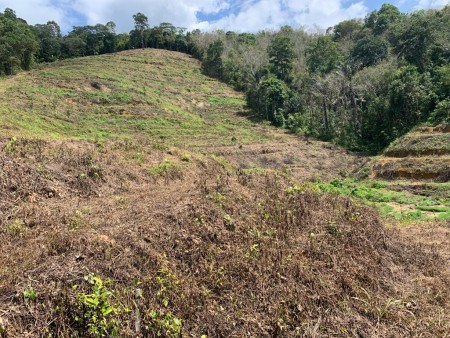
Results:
<point x="325" y="115"/>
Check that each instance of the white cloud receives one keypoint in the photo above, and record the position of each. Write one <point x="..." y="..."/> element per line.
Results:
<point x="271" y="14"/>
<point x="38" y="11"/>
<point x="264" y="14"/>
<point x="180" y="13"/>
<point x="425" y="4"/>
<point x="242" y="15"/>
<point x="67" y="12"/>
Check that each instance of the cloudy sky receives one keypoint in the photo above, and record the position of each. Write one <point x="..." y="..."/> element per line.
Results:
<point x="236" y="15"/>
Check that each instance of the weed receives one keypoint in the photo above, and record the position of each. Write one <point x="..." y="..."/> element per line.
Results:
<point x="433" y="208"/>
<point x="219" y="100"/>
<point x="167" y="169"/>
<point x="95" y="172"/>
<point x="41" y="170"/>
<point x="254" y="232"/>
<point x="11" y="145"/>
<point x="165" y="324"/>
<point x="229" y="223"/>
<point x="139" y="157"/>
<point x="444" y="216"/>
<point x="29" y="294"/>
<point x="409" y="216"/>
<point x="379" y="310"/>
<point x="379" y="194"/>
<point x="160" y="146"/>
<point x="120" y="200"/>
<point x="185" y="157"/>
<point x="76" y="221"/>
<point x="17" y="228"/>
<point x="333" y="229"/>
<point x="167" y="282"/>
<point x="96" y="309"/>
<point x="218" y="198"/>
<point x="254" y="251"/>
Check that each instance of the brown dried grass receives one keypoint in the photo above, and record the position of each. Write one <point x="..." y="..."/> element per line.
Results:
<point x="232" y="254"/>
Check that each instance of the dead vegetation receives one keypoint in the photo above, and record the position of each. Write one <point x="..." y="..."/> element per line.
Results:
<point x="176" y="216"/>
<point x="436" y="169"/>
<point x="104" y="239"/>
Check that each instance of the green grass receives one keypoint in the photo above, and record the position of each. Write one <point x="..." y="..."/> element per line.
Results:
<point x="167" y="169"/>
<point x="445" y="216"/>
<point x="134" y="94"/>
<point x="433" y="208"/>
<point x="219" y="100"/>
<point x="418" y="145"/>
<point x="378" y="194"/>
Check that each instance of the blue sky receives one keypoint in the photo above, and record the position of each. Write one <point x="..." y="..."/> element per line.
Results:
<point x="237" y="15"/>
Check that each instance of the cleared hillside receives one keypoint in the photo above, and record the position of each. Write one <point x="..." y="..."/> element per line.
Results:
<point x="158" y="99"/>
<point x="150" y="94"/>
<point x="189" y="243"/>
<point x="413" y="174"/>
<point x="122" y="215"/>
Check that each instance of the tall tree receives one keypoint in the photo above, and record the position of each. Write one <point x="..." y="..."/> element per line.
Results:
<point x="49" y="36"/>
<point x="281" y="56"/>
<point x="18" y="43"/>
<point x="212" y="64"/>
<point x="323" y="55"/>
<point x="379" y="21"/>
<point x="140" y="25"/>
<point x="369" y="51"/>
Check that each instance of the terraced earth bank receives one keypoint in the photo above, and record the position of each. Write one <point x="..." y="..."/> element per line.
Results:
<point x="140" y="198"/>
<point x="423" y="154"/>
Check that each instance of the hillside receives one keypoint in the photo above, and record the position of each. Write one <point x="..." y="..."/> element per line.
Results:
<point x="158" y="99"/>
<point x="418" y="165"/>
<point x="422" y="154"/>
<point x="139" y="198"/>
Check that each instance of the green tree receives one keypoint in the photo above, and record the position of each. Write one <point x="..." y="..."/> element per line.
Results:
<point x="369" y="51"/>
<point x="73" y="46"/>
<point x="90" y="40"/>
<point x="423" y="38"/>
<point x="410" y="99"/>
<point x="212" y="64"/>
<point x="379" y="21"/>
<point x="281" y="56"/>
<point x="122" y="41"/>
<point x="323" y="55"/>
<point x="18" y="43"/>
<point x="269" y="98"/>
<point x="347" y="30"/>
<point x="50" y="39"/>
<point x="140" y="25"/>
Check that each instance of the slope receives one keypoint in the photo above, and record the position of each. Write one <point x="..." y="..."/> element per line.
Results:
<point x="156" y="98"/>
<point x="95" y="242"/>
<point x="418" y="164"/>
<point x="128" y="216"/>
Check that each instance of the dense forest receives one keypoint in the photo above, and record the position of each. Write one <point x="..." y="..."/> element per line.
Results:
<point x="361" y="84"/>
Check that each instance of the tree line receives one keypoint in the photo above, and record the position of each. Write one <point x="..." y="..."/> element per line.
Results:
<point x="21" y="44"/>
<point x="362" y="83"/>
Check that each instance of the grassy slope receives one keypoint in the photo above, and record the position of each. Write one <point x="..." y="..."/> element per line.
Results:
<point x="104" y="177"/>
<point x="416" y="170"/>
<point x="159" y="99"/>
<point x="148" y="94"/>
